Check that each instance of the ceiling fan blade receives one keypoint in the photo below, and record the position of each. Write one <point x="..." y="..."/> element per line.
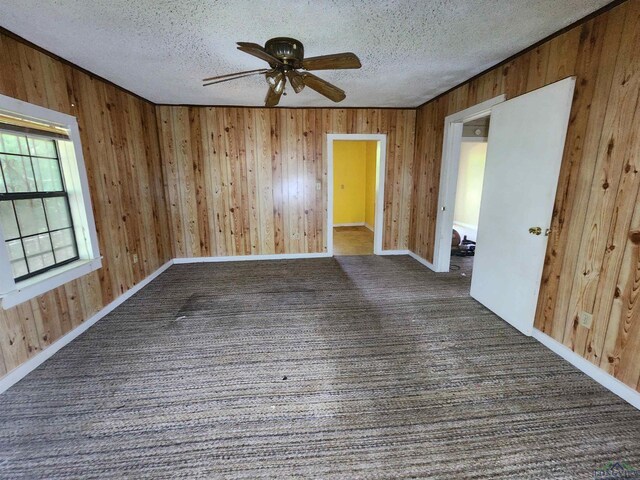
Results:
<point x="323" y="87"/>
<point x="258" y="51"/>
<point x="332" y="62"/>
<point x="296" y="80"/>
<point x="233" y="78"/>
<point x="250" y="44"/>
<point x="272" y="99"/>
<point x="260" y="70"/>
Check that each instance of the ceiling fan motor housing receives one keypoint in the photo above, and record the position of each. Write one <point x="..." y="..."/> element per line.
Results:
<point x="288" y="50"/>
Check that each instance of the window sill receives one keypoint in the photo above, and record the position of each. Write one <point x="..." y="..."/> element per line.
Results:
<point x="32" y="287"/>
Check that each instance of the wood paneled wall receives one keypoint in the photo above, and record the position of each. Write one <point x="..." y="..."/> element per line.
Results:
<point x="243" y="181"/>
<point x="593" y="256"/>
<point x="121" y="152"/>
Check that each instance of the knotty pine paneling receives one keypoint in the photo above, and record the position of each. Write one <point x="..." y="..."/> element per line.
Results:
<point x="242" y="181"/>
<point x="122" y="157"/>
<point x="593" y="256"/>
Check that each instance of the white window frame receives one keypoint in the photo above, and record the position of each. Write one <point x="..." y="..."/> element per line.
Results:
<point x="77" y="186"/>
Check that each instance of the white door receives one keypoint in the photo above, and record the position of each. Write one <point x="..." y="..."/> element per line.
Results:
<point x="526" y="141"/>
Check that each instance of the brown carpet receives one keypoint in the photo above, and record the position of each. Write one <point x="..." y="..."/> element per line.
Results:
<point x="357" y="367"/>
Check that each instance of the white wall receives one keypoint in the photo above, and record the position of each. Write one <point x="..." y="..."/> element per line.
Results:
<point x="469" y="190"/>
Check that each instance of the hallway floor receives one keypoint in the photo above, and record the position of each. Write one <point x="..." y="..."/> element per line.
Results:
<point x="352" y="241"/>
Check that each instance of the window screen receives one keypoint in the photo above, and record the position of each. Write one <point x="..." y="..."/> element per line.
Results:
<point x="34" y="206"/>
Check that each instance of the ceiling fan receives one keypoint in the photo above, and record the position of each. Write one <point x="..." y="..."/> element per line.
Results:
<point x="285" y="57"/>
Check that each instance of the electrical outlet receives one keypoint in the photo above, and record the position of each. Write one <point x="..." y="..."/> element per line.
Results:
<point x="135" y="258"/>
<point x="318" y="186"/>
<point x="585" y="319"/>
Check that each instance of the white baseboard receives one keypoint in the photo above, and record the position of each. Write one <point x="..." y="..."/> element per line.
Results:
<point x="34" y="362"/>
<point x="250" y="258"/>
<point x="393" y="252"/>
<point x="418" y="258"/>
<point x="611" y="383"/>
<point x="355" y="224"/>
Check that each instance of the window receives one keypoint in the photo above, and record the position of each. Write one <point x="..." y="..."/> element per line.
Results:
<point x="47" y="232"/>
<point x="34" y="205"/>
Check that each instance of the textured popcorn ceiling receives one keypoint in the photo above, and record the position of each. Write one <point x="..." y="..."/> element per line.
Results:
<point x="410" y="50"/>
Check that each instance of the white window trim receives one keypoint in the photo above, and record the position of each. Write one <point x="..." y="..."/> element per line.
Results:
<point x="77" y="185"/>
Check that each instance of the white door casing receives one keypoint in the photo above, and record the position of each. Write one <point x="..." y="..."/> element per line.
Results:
<point x="449" y="170"/>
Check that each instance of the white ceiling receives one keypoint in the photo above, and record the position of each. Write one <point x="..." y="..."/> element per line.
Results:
<point x="410" y="50"/>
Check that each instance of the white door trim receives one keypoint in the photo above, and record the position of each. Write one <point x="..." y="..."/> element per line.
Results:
<point x="449" y="178"/>
<point x="380" y="171"/>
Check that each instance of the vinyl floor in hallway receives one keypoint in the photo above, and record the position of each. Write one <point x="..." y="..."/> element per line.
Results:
<point x="349" y="367"/>
<point x="352" y="241"/>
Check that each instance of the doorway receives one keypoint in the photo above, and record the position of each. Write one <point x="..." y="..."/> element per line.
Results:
<point x="471" y="163"/>
<point x="354" y="196"/>
<point x="356" y="165"/>
<point x="525" y="150"/>
<point x="453" y="134"/>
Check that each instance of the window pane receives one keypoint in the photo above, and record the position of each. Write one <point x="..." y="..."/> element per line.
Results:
<point x="47" y="172"/>
<point x="19" y="268"/>
<point x="14" y="247"/>
<point x="64" y="245"/>
<point x="13" y="144"/>
<point x="38" y="250"/>
<point x="16" y="257"/>
<point x="40" y="147"/>
<point x="18" y="174"/>
<point x="57" y="213"/>
<point x="8" y="221"/>
<point x="31" y="216"/>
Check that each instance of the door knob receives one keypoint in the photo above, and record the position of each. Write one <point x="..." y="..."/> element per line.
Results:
<point x="535" y="230"/>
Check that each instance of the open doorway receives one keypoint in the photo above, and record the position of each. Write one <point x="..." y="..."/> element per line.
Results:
<point x="473" y="154"/>
<point x="355" y="193"/>
<point x="354" y="196"/>
<point x="523" y="159"/>
<point x="452" y="147"/>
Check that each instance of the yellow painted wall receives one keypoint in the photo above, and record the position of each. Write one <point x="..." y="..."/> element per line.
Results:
<point x="370" y="185"/>
<point x="470" y="177"/>
<point x="349" y="173"/>
<point x="354" y="172"/>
